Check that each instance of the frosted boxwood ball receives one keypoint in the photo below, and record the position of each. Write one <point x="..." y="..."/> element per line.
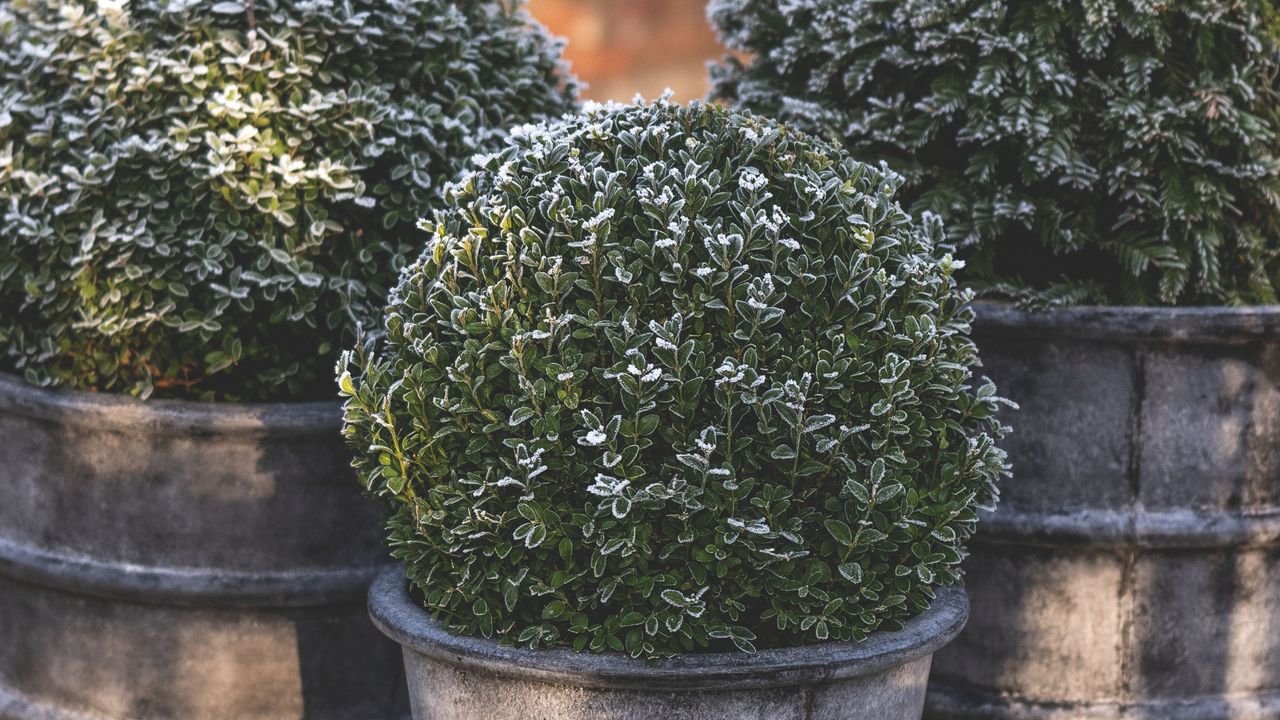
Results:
<point x="669" y="378"/>
<point x="1106" y="151"/>
<point x="204" y="199"/>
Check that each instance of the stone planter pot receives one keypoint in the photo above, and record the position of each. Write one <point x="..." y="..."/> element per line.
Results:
<point x="464" y="678"/>
<point x="1132" y="569"/>
<point x="185" y="561"/>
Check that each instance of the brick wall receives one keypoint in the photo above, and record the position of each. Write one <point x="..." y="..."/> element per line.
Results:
<point x="621" y="47"/>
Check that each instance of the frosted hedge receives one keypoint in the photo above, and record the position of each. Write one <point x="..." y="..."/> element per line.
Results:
<point x="1116" y="151"/>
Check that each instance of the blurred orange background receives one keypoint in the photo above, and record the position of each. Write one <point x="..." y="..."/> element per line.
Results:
<point x="623" y="47"/>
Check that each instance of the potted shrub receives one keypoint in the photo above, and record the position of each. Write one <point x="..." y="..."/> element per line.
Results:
<point x="199" y="202"/>
<point x="673" y="381"/>
<point x="1118" y="158"/>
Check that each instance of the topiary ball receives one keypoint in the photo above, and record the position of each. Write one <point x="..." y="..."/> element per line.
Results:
<point x="1108" y="151"/>
<point x="672" y="378"/>
<point x="206" y="199"/>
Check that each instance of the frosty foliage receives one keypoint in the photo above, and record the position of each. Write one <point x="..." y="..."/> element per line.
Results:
<point x="1119" y="151"/>
<point x="669" y="378"/>
<point x="202" y="208"/>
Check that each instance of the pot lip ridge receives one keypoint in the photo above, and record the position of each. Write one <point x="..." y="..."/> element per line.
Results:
<point x="1211" y="323"/>
<point x="108" y="411"/>
<point x="399" y="617"/>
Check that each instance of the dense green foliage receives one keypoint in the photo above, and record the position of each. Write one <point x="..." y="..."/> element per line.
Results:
<point x="207" y="201"/>
<point x="669" y="378"/>
<point x="1117" y="151"/>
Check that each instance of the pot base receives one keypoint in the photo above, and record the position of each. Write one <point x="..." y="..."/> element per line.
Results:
<point x="67" y="656"/>
<point x="442" y="691"/>
<point x="465" y="678"/>
<point x="951" y="704"/>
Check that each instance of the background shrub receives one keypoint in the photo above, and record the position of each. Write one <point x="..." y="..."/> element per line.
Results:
<point x="668" y="378"/>
<point x="1117" y="151"/>
<point x="206" y="201"/>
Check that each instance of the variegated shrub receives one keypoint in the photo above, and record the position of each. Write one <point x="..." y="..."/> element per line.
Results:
<point x="207" y="198"/>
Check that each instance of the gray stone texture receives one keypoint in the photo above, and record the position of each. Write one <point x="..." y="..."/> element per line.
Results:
<point x="461" y="678"/>
<point x="1132" y="569"/>
<point x="194" y="561"/>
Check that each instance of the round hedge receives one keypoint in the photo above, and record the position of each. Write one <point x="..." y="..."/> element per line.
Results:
<point x="1112" y="151"/>
<point x="206" y="199"/>
<point x="670" y="378"/>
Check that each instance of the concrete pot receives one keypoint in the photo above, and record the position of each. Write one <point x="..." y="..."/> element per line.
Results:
<point x="465" y="678"/>
<point x="1132" y="569"/>
<point x="193" y="561"/>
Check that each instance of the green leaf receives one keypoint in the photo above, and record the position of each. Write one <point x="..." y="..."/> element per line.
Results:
<point x="519" y="415"/>
<point x="783" y="452"/>
<point x="631" y="619"/>
<point x="851" y="571"/>
<point x="675" y="598"/>
<point x="877" y="472"/>
<point x="858" y="490"/>
<point x="839" y="530"/>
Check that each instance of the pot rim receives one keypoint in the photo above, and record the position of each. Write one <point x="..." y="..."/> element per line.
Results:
<point x="301" y="587"/>
<point x="399" y="617"/>
<point x="1211" y="323"/>
<point x="122" y="413"/>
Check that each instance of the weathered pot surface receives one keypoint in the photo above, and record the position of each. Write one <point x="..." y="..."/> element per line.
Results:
<point x="1132" y="569"/>
<point x="168" y="560"/>
<point x="465" y="678"/>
